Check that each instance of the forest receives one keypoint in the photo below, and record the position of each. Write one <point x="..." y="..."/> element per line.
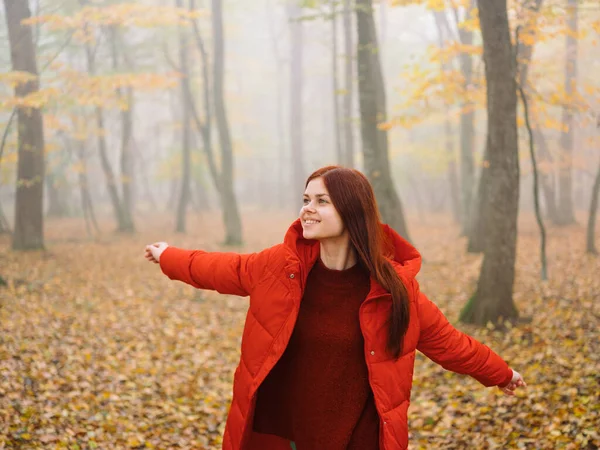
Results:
<point x="197" y="122"/>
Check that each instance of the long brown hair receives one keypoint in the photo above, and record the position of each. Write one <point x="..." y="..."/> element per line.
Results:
<point x="352" y="196"/>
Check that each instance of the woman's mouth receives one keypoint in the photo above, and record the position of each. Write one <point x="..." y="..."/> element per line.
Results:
<point x="311" y="222"/>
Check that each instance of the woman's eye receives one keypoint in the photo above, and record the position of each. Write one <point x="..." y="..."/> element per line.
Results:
<point x="305" y="201"/>
<point x="322" y="201"/>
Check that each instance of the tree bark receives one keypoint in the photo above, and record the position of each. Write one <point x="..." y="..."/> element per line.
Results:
<point x="442" y="29"/>
<point x="57" y="202"/>
<point x="566" y="212"/>
<point x="493" y="299"/>
<point x="296" y="92"/>
<point x="591" y="226"/>
<point x="546" y="179"/>
<point x="126" y="144"/>
<point x="127" y="162"/>
<point x="109" y="175"/>
<point x="231" y="216"/>
<point x="4" y="226"/>
<point x="29" y="204"/>
<point x="477" y="232"/>
<point x="334" y="83"/>
<point x="524" y="55"/>
<point x="87" y="205"/>
<point x="279" y="113"/>
<point x="536" y="190"/>
<point x="205" y="128"/>
<point x="467" y="129"/>
<point x="373" y="112"/>
<point x="184" y="193"/>
<point x="349" y="86"/>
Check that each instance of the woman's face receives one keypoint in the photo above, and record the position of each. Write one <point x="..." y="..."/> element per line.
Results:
<point x="320" y="220"/>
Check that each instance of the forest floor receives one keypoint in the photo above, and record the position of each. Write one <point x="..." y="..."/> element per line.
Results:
<point x="98" y="349"/>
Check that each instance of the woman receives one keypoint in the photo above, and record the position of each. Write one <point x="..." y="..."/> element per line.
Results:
<point x="334" y="321"/>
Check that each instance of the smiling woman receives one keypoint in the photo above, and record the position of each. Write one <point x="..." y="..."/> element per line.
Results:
<point x="321" y="221"/>
<point x="334" y="321"/>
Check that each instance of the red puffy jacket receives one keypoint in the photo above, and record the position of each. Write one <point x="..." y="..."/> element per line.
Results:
<point x="275" y="279"/>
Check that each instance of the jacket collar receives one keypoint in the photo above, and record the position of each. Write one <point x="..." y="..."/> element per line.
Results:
<point x="404" y="256"/>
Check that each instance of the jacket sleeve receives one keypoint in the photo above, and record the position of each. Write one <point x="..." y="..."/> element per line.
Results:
<point x="456" y="351"/>
<point x="227" y="273"/>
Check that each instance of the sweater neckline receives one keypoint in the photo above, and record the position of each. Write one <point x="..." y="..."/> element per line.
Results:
<point x="352" y="277"/>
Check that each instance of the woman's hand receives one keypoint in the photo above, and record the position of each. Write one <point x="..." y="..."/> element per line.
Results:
<point x="153" y="251"/>
<point x="517" y="381"/>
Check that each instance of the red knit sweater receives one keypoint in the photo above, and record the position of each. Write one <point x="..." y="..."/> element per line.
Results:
<point x="318" y="394"/>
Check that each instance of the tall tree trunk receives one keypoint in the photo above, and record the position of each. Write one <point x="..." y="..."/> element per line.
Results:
<point x="4" y="226"/>
<point x="127" y="162"/>
<point x="477" y="232"/>
<point x="184" y="193"/>
<point x="383" y="6"/>
<point x="467" y="129"/>
<point x="205" y="128"/>
<point x="546" y="179"/>
<point x="591" y="226"/>
<point x="57" y="186"/>
<point x="283" y="169"/>
<point x="139" y="156"/>
<point x="57" y="202"/>
<point x="373" y="112"/>
<point x="566" y="212"/>
<point x="443" y="36"/>
<point x="334" y="83"/>
<point x="86" y="199"/>
<point x="126" y="137"/>
<point x="296" y="91"/>
<point x="536" y="190"/>
<point x="480" y="203"/>
<point x="111" y="182"/>
<point x="29" y="204"/>
<point x="524" y="54"/>
<point x="231" y="215"/>
<point x="348" y="85"/>
<point x="493" y="299"/>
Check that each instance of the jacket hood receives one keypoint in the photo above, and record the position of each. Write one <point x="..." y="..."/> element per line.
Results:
<point x="405" y="255"/>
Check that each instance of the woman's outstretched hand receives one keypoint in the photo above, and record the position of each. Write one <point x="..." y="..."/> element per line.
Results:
<point x="517" y="381"/>
<point x="153" y="251"/>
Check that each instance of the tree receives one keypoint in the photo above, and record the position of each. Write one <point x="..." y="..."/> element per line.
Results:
<point x="231" y="215"/>
<point x="126" y="96"/>
<point x="566" y="213"/>
<point x="4" y="226"/>
<point x="524" y="53"/>
<point x="443" y="36"/>
<point x="184" y="193"/>
<point x="591" y="227"/>
<point x="373" y="113"/>
<point x="279" y="109"/>
<point x="296" y="89"/>
<point x="479" y="211"/>
<point x="334" y="83"/>
<point x="90" y="26"/>
<point x="493" y="298"/>
<point x="124" y="221"/>
<point x="467" y="124"/>
<point x="348" y="149"/>
<point x="29" y="219"/>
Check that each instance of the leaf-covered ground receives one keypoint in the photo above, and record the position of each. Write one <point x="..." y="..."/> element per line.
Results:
<point x="99" y="350"/>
